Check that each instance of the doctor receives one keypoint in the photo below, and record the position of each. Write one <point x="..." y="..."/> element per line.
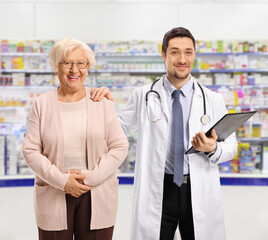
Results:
<point x="161" y="203"/>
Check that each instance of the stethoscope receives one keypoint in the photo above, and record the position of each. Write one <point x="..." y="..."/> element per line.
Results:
<point x="205" y="119"/>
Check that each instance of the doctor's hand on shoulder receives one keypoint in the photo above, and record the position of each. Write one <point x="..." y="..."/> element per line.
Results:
<point x="203" y="143"/>
<point x="97" y="94"/>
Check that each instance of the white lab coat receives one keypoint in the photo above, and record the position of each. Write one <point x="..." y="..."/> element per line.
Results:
<point x="150" y="165"/>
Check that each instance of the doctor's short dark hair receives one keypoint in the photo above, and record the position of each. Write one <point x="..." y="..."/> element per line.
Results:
<point x="176" y="32"/>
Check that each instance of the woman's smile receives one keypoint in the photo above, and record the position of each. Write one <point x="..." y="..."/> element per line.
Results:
<point x="73" y="78"/>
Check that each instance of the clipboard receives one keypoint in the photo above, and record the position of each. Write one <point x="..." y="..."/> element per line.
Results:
<point x="226" y="126"/>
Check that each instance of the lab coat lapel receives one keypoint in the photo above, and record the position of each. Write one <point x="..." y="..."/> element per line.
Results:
<point x="159" y="87"/>
<point x="197" y="110"/>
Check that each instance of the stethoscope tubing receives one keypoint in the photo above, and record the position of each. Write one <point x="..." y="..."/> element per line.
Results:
<point x="205" y="119"/>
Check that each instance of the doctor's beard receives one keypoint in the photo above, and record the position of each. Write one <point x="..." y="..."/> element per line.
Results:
<point x="181" y="77"/>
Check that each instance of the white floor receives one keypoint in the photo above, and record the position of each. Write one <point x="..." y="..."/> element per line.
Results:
<point x="246" y="213"/>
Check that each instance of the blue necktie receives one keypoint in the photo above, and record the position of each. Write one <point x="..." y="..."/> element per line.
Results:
<point x="178" y="138"/>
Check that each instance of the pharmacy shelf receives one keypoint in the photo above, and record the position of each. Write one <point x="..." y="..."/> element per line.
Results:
<point x="243" y="175"/>
<point x="12" y="71"/>
<point x="128" y="178"/>
<point x="137" y="54"/>
<point x="230" y="179"/>
<point x="258" y="54"/>
<point x="240" y="179"/>
<point x="26" y="71"/>
<point x="237" y="86"/>
<point x="251" y="70"/>
<point x="194" y="71"/>
<point x="140" y="71"/>
<point x="245" y="86"/>
<point x="13" y="107"/>
<point x="114" y="55"/>
<point x="246" y="107"/>
<point x="239" y="70"/>
<point x="198" y="54"/>
<point x="127" y="54"/>
<point x="251" y="54"/>
<point x="31" y="87"/>
<point x="49" y="87"/>
<point x="213" y="71"/>
<point x="264" y="139"/>
<point x="17" y="181"/>
<point x="12" y="123"/>
<point x="22" y="54"/>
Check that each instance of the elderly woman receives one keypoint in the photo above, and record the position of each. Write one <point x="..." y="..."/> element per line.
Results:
<point x="74" y="146"/>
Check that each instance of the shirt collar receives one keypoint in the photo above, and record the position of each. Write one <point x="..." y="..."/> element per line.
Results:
<point x="186" y="89"/>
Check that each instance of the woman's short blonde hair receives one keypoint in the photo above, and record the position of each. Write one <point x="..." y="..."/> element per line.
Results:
<point x="66" y="45"/>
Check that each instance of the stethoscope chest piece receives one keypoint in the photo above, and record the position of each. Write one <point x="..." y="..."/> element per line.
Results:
<point x="205" y="119"/>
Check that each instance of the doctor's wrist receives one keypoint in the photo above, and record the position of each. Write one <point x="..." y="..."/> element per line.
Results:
<point x="209" y="154"/>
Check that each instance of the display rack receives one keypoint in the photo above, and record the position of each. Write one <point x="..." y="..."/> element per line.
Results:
<point x="237" y="75"/>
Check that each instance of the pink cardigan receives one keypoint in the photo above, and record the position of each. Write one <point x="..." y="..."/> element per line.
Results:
<point x="43" y="151"/>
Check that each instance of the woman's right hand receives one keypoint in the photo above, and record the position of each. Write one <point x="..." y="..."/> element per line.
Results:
<point x="74" y="185"/>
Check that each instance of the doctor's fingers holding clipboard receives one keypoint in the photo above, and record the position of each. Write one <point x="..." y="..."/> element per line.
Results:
<point x="203" y="143"/>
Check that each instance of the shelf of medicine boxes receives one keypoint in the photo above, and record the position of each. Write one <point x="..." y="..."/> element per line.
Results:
<point x="240" y="62"/>
<point x="138" y="63"/>
<point x="25" y="63"/>
<point x="127" y="178"/>
<point x="153" y="63"/>
<point x="260" y="179"/>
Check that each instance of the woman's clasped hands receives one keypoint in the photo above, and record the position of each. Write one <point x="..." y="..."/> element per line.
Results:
<point x="75" y="184"/>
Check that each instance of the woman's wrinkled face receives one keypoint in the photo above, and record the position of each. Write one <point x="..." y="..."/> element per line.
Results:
<point x="72" y="71"/>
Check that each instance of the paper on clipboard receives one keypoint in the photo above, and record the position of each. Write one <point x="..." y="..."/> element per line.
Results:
<point x="226" y="126"/>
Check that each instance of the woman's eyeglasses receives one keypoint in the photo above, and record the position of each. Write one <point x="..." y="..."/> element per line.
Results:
<point x="80" y="64"/>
